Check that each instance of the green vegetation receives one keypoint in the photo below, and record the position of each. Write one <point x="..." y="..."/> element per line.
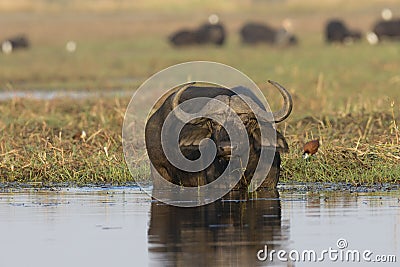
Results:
<point x="347" y="96"/>
<point x="37" y="144"/>
<point x="358" y="148"/>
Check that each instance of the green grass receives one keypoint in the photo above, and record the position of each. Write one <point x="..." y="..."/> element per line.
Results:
<point x="350" y="73"/>
<point x="357" y="148"/>
<point x="37" y="147"/>
<point x="37" y="144"/>
<point x="342" y="94"/>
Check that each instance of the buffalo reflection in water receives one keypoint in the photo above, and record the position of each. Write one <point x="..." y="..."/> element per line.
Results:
<point x="224" y="233"/>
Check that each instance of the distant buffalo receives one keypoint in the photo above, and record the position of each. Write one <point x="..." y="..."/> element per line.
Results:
<point x="336" y="31"/>
<point x="208" y="33"/>
<point x="385" y="29"/>
<point x="13" y="43"/>
<point x="254" y="33"/>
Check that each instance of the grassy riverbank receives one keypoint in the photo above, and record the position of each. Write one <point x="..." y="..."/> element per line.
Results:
<point x="37" y="146"/>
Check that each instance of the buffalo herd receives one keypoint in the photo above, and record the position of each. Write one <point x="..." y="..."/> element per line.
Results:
<point x="214" y="32"/>
<point x="252" y="33"/>
<point x="385" y="29"/>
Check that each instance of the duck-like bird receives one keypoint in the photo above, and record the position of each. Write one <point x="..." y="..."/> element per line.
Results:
<point x="310" y="148"/>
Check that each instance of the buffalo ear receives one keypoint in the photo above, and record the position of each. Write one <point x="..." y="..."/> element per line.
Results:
<point x="280" y="142"/>
<point x="254" y="133"/>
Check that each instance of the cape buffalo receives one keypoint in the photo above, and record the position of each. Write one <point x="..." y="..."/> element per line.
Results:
<point x="337" y="31"/>
<point x="254" y="33"/>
<point x="207" y="33"/>
<point x="385" y="29"/>
<point x="195" y="131"/>
<point x="13" y="43"/>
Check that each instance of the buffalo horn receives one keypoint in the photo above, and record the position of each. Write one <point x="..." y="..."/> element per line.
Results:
<point x="277" y="116"/>
<point x="283" y="113"/>
<point x="179" y="113"/>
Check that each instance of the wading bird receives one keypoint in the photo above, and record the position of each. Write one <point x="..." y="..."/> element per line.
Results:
<point x="310" y="148"/>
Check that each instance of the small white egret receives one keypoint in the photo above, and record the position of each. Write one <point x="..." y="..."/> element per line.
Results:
<point x="386" y="14"/>
<point x="70" y="46"/>
<point x="6" y="47"/>
<point x="372" y="38"/>
<point x="213" y="19"/>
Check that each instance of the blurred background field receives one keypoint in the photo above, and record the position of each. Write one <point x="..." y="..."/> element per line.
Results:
<point x="121" y="43"/>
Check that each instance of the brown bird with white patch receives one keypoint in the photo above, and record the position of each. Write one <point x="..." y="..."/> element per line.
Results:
<point x="79" y="136"/>
<point x="310" y="148"/>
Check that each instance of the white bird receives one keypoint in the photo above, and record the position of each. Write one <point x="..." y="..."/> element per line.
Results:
<point x="6" y="47"/>
<point x="70" y="46"/>
<point x="386" y="14"/>
<point x="213" y="19"/>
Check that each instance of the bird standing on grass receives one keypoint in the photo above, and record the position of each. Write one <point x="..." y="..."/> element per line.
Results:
<point x="310" y="148"/>
<point x="79" y="136"/>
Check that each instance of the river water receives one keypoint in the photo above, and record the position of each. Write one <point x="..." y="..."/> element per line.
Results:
<point x="122" y="226"/>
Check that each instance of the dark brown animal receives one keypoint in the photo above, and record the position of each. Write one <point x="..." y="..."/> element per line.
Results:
<point x="15" y="43"/>
<point x="255" y="33"/>
<point x="192" y="133"/>
<point x="310" y="148"/>
<point x="336" y="31"/>
<point x="205" y="34"/>
<point x="389" y="30"/>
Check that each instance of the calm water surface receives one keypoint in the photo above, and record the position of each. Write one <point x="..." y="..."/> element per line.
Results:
<point x="123" y="227"/>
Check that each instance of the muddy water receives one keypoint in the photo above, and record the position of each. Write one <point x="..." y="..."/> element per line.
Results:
<point x="123" y="227"/>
